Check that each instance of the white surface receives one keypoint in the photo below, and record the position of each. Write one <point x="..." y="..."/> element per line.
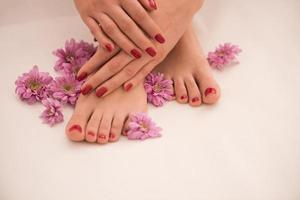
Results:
<point x="245" y="147"/>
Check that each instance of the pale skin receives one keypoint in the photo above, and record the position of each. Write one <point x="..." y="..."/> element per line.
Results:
<point x="103" y="120"/>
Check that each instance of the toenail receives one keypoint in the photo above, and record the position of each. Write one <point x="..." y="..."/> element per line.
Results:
<point x="128" y="86"/>
<point x="159" y="38"/>
<point x="152" y="4"/>
<point x="112" y="136"/>
<point x="103" y="137"/>
<point x="90" y="133"/>
<point x="182" y="97"/>
<point x="109" y="47"/>
<point x="195" y="99"/>
<point x="82" y="76"/>
<point x="125" y="133"/>
<point x="151" y="51"/>
<point x="101" y="91"/>
<point x="75" y="127"/>
<point x="86" y="89"/>
<point x="208" y="91"/>
<point x="136" y="53"/>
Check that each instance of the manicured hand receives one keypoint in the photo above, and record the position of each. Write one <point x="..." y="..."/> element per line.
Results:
<point x="122" y="23"/>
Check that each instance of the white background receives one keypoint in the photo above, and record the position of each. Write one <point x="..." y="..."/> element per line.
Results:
<point x="245" y="147"/>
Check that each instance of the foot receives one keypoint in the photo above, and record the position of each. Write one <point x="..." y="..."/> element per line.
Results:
<point x="187" y="66"/>
<point x="102" y="120"/>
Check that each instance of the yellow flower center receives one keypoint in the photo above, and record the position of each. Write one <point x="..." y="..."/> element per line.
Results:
<point x="157" y="88"/>
<point x="34" y="85"/>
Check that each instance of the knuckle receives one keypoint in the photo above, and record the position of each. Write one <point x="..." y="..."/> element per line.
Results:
<point x="114" y="67"/>
<point x="129" y="72"/>
<point x="109" y="28"/>
<point x="140" y="16"/>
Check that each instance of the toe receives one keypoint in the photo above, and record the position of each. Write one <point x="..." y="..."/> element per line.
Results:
<point x="104" y="128"/>
<point x="75" y="130"/>
<point x="209" y="88"/>
<point x="180" y="90"/>
<point x="93" y="126"/>
<point x="193" y="91"/>
<point x="116" y="127"/>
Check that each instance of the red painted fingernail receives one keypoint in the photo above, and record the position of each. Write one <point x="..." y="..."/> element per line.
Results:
<point x="208" y="91"/>
<point x="112" y="136"/>
<point x="76" y="128"/>
<point x="128" y="86"/>
<point x="101" y="91"/>
<point x="152" y="4"/>
<point x="182" y="97"/>
<point x="90" y="133"/>
<point x="195" y="99"/>
<point x="136" y="53"/>
<point x="109" y="47"/>
<point x="86" y="89"/>
<point x="102" y="136"/>
<point x="160" y="38"/>
<point x="151" y="51"/>
<point x="82" y="76"/>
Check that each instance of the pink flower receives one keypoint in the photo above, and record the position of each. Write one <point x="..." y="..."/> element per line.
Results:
<point x="141" y="127"/>
<point x="73" y="56"/>
<point x="223" y="55"/>
<point x="52" y="114"/>
<point x="159" y="90"/>
<point x="66" y="89"/>
<point x="33" y="86"/>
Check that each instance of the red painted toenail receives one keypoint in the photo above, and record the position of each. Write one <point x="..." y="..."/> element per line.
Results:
<point x="160" y="38"/>
<point x="109" y="47"/>
<point x="90" y="133"/>
<point x="136" y="53"/>
<point x="152" y="4"/>
<point x="86" y="89"/>
<point x="208" y="91"/>
<point x="76" y="128"/>
<point x="128" y="86"/>
<point x="101" y="91"/>
<point x="151" y="51"/>
<point x="103" y="137"/>
<point x="195" y="99"/>
<point x="112" y="136"/>
<point x="182" y="97"/>
<point x="82" y="76"/>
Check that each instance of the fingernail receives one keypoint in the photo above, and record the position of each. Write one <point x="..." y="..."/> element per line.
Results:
<point x="101" y="136"/>
<point x="160" y="38"/>
<point x="112" y="136"/>
<point x="136" y="53"/>
<point x="101" y="91"/>
<point x="182" y="97"/>
<point x="151" y="51"/>
<point x="128" y="86"/>
<point x="76" y="128"/>
<point x="109" y="47"/>
<point x="82" y="76"/>
<point x="90" y="133"/>
<point x="86" y="89"/>
<point x="152" y="4"/>
<point x="195" y="99"/>
<point x="208" y="91"/>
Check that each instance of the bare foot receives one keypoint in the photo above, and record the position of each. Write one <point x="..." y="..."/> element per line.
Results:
<point x="102" y="120"/>
<point x="187" y="66"/>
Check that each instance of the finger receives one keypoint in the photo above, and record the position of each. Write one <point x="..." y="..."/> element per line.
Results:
<point x="129" y="27"/>
<point x="139" y="76"/>
<point x="109" y="69"/>
<point x="116" y="81"/>
<point x="149" y="4"/>
<point x="142" y="18"/>
<point x="100" y="36"/>
<point x="99" y="58"/>
<point x="111" y="29"/>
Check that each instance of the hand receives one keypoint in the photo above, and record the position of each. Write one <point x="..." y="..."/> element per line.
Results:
<point x="123" y="22"/>
<point x="123" y="69"/>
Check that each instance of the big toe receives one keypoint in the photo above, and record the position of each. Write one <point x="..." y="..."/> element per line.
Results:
<point x="210" y="90"/>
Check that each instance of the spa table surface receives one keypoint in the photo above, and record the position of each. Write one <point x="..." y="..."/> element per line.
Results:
<point x="245" y="147"/>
